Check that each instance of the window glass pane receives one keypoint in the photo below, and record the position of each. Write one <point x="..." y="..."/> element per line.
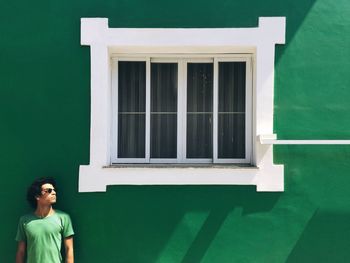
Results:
<point x="231" y="141"/>
<point x="200" y="87"/>
<point x="163" y="136"/>
<point x="199" y="136"/>
<point x="199" y="110"/>
<point x="163" y="110"/>
<point x="232" y="86"/>
<point x="131" y="109"/>
<point x="231" y="126"/>
<point x="164" y="87"/>
<point x="131" y="86"/>
<point x="131" y="135"/>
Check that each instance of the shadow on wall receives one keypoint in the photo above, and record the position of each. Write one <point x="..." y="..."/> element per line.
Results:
<point x="166" y="224"/>
<point x="326" y="238"/>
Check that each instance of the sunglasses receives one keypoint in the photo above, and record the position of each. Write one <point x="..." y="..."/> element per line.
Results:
<point x="49" y="190"/>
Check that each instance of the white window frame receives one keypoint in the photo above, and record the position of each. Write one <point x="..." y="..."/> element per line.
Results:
<point x="248" y="107"/>
<point x="106" y="43"/>
<point x="182" y="61"/>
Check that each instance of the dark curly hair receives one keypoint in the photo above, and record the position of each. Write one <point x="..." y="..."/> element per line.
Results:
<point x="34" y="190"/>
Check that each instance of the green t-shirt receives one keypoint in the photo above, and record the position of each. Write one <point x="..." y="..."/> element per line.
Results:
<point x="43" y="236"/>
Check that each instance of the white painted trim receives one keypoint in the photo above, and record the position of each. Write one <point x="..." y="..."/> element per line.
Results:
<point x="248" y="109"/>
<point x="104" y="41"/>
<point x="184" y="111"/>
<point x="114" y="102"/>
<point x="199" y="60"/>
<point x="271" y="139"/>
<point x="163" y="160"/>
<point x="215" y="109"/>
<point x="148" y="110"/>
<point x="114" y="116"/>
<point x="134" y="59"/>
<point x="174" y="176"/>
<point x="176" y="57"/>
<point x="130" y="160"/>
<point x="181" y="104"/>
<point x="159" y="59"/>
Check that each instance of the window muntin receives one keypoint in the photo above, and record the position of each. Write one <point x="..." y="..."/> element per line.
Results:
<point x="191" y="119"/>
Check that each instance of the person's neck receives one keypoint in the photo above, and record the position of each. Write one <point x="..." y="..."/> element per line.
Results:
<point x="44" y="211"/>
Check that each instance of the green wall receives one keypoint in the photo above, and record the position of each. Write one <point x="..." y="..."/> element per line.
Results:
<point x="44" y="130"/>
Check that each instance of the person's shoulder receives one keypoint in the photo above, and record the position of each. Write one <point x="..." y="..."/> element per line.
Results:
<point x="63" y="217"/>
<point x="60" y="213"/>
<point x="26" y="217"/>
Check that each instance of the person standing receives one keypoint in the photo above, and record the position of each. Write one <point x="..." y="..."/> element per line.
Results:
<point x="40" y="234"/>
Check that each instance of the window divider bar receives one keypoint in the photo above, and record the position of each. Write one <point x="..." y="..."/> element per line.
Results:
<point x="148" y="110"/>
<point x="231" y="112"/>
<point x="132" y="113"/>
<point x="215" y="110"/>
<point x="114" y="97"/>
<point x="165" y="112"/>
<point x="180" y="107"/>
<point x="130" y="160"/>
<point x="184" y="108"/>
<point x="248" y="109"/>
<point x="199" y="112"/>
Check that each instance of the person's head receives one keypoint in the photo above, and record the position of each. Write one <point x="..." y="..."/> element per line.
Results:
<point x="42" y="191"/>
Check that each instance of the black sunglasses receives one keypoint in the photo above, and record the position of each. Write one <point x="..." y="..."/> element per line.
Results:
<point x="49" y="190"/>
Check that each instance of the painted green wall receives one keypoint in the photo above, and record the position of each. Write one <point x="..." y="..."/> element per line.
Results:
<point x="44" y="130"/>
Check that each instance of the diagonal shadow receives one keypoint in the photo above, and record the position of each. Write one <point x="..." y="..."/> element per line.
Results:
<point x="142" y="227"/>
<point x="206" y="235"/>
<point x="326" y="238"/>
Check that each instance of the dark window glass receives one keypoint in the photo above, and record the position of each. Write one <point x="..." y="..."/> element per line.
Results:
<point x="231" y="126"/>
<point x="163" y="110"/>
<point x="163" y="136"/>
<point x="131" y="109"/>
<point x="163" y="127"/>
<point x="131" y="136"/>
<point x="199" y="141"/>
<point x="231" y="141"/>
<point x="199" y="136"/>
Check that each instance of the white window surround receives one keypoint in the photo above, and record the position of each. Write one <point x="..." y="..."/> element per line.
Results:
<point x="107" y="42"/>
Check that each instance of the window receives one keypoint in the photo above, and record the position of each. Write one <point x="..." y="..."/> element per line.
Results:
<point x="178" y="96"/>
<point x="199" y="109"/>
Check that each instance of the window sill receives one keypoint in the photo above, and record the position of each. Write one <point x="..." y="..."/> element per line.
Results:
<point x="183" y="165"/>
<point x="180" y="174"/>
